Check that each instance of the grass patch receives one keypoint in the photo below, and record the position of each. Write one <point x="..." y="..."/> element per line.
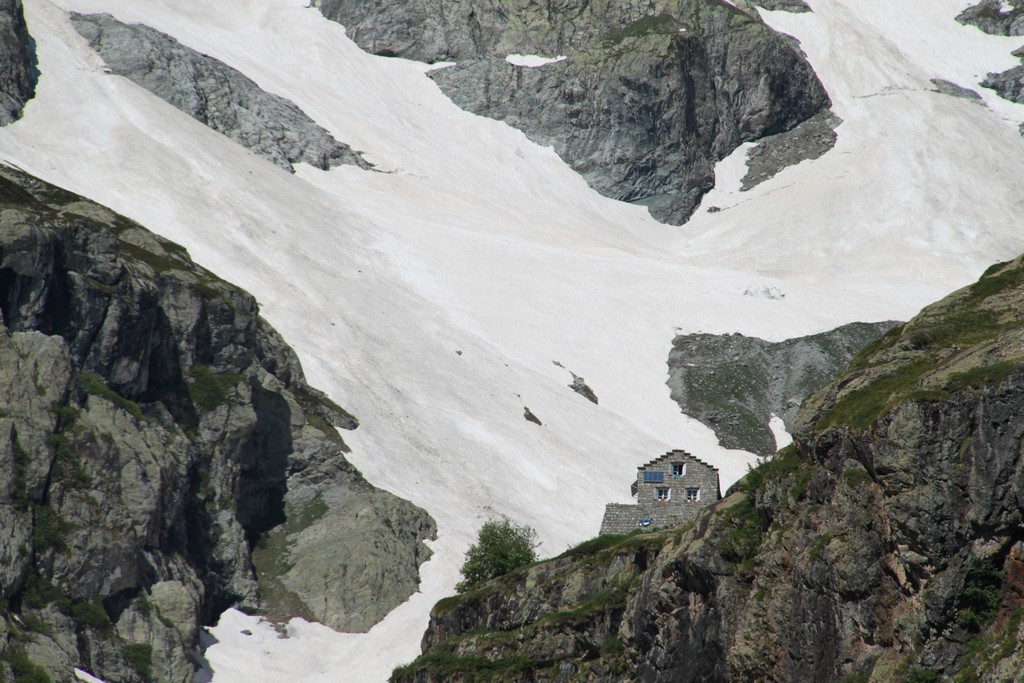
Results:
<point x="976" y="377"/>
<point x="448" y="666"/>
<point x="973" y="316"/>
<point x="139" y="657"/>
<point x="607" y="600"/>
<point x="209" y="389"/>
<point x="817" y="548"/>
<point x="661" y="24"/>
<point x="94" y="385"/>
<point x="855" y="477"/>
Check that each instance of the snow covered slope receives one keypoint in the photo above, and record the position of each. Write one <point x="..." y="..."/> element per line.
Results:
<point x="432" y="298"/>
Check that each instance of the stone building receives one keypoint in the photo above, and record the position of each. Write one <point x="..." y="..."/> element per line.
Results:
<point x="669" y="491"/>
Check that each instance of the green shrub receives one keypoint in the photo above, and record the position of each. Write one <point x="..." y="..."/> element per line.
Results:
<point x="923" y="676"/>
<point x="24" y="669"/>
<point x="501" y="547"/>
<point x="48" y="530"/>
<point x="209" y="389"/>
<point x="90" y="614"/>
<point x="979" y="600"/>
<point x="139" y="657"/>
<point x="94" y="385"/>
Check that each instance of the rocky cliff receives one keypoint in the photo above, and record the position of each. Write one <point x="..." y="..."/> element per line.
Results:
<point x="885" y="545"/>
<point x="214" y="94"/>
<point x="647" y="98"/>
<point x="17" y="62"/>
<point x="163" y="457"/>
<point x="734" y="384"/>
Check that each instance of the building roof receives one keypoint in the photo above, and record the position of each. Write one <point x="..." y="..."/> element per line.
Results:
<point x="676" y="454"/>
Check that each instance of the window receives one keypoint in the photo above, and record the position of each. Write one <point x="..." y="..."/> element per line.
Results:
<point x="692" y="495"/>
<point x="664" y="494"/>
<point x="654" y="477"/>
<point x="678" y="469"/>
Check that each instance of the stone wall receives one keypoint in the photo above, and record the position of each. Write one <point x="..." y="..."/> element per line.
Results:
<point x="620" y="518"/>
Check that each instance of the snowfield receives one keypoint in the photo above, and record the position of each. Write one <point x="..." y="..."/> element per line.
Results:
<point x="433" y="297"/>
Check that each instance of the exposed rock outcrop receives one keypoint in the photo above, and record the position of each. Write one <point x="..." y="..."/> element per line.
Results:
<point x="734" y="384"/>
<point x="649" y="97"/>
<point x="214" y="93"/>
<point x="996" y="17"/>
<point x="153" y="431"/>
<point x="18" y="71"/>
<point x="885" y="545"/>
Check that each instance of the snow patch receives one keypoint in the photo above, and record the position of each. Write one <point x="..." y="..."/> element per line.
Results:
<point x="532" y="61"/>
<point x="778" y="427"/>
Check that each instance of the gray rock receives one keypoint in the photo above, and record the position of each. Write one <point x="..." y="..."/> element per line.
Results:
<point x="733" y="383"/>
<point x="18" y="70"/>
<point x="649" y="98"/>
<point x="949" y="88"/>
<point x="785" y="5"/>
<point x="1009" y="84"/>
<point x="809" y="140"/>
<point x="215" y="94"/>
<point x="582" y="388"/>
<point x="155" y="433"/>
<point x="991" y="17"/>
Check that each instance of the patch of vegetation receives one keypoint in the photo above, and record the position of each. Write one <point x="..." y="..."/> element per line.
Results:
<point x="23" y="669"/>
<point x="209" y="389"/>
<point x="48" y="529"/>
<point x="139" y="657"/>
<point x="160" y="263"/>
<point x="501" y="547"/>
<point x="661" y="24"/>
<point x="612" y="647"/>
<point x="976" y="377"/>
<point x="979" y="600"/>
<point x="855" y="477"/>
<point x="920" y="675"/>
<point x="90" y="614"/>
<point x="21" y="461"/>
<point x="39" y="592"/>
<point x="94" y="385"/>
<point x="817" y="548"/>
<point x="271" y="557"/>
<point x="972" y="316"/>
<point x="743" y="533"/>
<point x="471" y="669"/>
<point x="606" y="601"/>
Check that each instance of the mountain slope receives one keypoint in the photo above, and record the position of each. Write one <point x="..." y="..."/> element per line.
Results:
<point x="475" y="240"/>
<point x="163" y="456"/>
<point x="885" y="545"/>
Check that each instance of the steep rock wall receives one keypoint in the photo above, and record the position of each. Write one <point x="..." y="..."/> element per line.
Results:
<point x="17" y="62"/>
<point x="157" y="436"/>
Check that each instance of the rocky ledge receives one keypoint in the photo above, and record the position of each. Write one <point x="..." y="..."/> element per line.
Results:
<point x="647" y="98"/>
<point x="886" y="544"/>
<point x="18" y="71"/>
<point x="163" y="458"/>
<point x="734" y="384"/>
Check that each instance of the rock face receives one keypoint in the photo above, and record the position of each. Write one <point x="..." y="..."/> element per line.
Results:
<point x="213" y="93"/>
<point x="996" y="17"/>
<point x="153" y="432"/>
<point x="734" y="384"/>
<point x="649" y="97"/>
<point x="884" y="545"/>
<point x="17" y="62"/>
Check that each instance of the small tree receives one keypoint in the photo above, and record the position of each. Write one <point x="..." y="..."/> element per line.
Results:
<point x="500" y="548"/>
